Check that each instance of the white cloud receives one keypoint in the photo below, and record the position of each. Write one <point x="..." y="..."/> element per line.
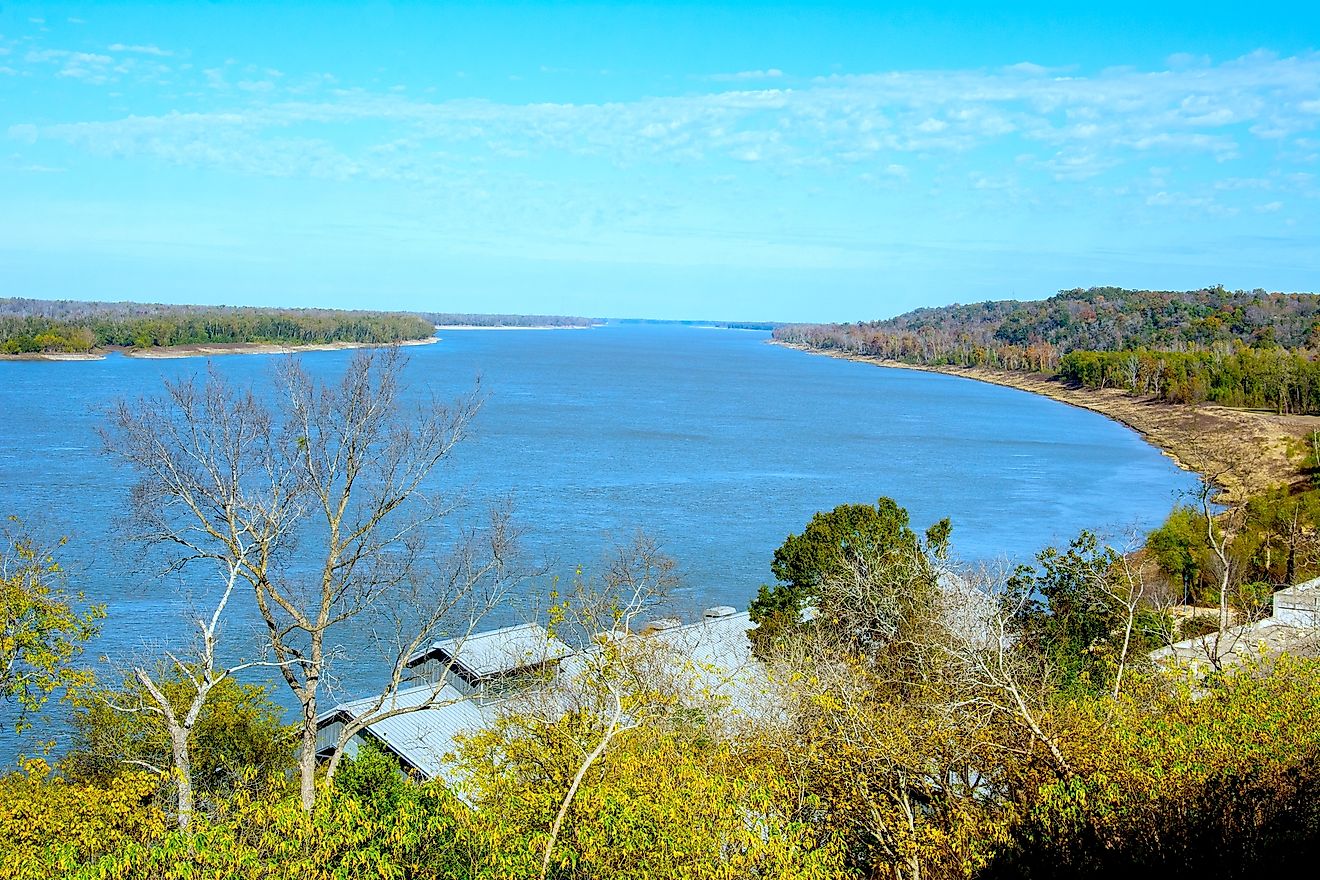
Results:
<point x="1061" y="128"/>
<point x="141" y="50"/>
<point x="746" y="75"/>
<point x="1197" y="204"/>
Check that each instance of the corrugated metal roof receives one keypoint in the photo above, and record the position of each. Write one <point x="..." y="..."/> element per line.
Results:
<point x="500" y="650"/>
<point x="710" y="658"/>
<point x="423" y="737"/>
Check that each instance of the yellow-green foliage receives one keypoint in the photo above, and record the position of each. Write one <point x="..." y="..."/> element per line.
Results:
<point x="857" y="786"/>
<point x="658" y="804"/>
<point x="264" y="839"/>
<point x="1167" y="737"/>
<point x="238" y="738"/>
<point x="1201" y="777"/>
<point x="889" y="772"/>
<point x="49" y="826"/>
<point x="41" y="631"/>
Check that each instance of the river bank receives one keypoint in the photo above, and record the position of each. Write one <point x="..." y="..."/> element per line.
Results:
<point x="204" y="350"/>
<point x="1242" y="452"/>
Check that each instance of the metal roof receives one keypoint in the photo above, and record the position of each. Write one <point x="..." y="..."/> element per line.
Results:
<point x="710" y="658"/>
<point x="1240" y="644"/>
<point x="423" y="737"/>
<point x="498" y="651"/>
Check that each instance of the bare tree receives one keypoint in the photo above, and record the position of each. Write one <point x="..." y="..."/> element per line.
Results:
<point x="447" y="603"/>
<point x="319" y="501"/>
<point x="995" y="674"/>
<point x="1219" y="533"/>
<point x="203" y="673"/>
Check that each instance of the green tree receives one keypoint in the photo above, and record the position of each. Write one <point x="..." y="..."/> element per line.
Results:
<point x="374" y="779"/>
<point x="1179" y="548"/>
<point x="838" y="547"/>
<point x="1071" y="611"/>
<point x="238" y="737"/>
<point x="41" y="629"/>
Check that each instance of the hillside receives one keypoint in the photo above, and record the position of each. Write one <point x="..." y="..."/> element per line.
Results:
<point x="1114" y="319"/>
<point x="1236" y="348"/>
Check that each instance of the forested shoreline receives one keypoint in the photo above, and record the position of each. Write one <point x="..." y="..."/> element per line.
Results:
<point x="65" y="326"/>
<point x="1234" y="348"/>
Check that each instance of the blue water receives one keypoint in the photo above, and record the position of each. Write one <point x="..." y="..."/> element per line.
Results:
<point x="713" y="441"/>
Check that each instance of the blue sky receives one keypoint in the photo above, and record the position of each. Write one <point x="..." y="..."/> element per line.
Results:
<point x="804" y="161"/>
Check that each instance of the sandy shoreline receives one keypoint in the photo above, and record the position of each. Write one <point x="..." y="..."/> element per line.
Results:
<point x="1242" y="451"/>
<point x="54" y="356"/>
<point x="182" y="351"/>
<point x="219" y="348"/>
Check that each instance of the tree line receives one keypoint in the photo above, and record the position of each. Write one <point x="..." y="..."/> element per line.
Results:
<point x="28" y="326"/>
<point x="468" y="319"/>
<point x="1235" y="348"/>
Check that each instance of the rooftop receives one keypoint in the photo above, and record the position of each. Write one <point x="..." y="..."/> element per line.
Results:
<point x="710" y="658"/>
<point x="1240" y="644"/>
<point x="1292" y="628"/>
<point x="423" y="737"/>
<point x="498" y="651"/>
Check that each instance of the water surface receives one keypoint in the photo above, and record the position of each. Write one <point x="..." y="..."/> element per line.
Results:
<point x="713" y="441"/>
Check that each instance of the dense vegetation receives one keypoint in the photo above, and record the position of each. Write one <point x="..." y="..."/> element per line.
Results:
<point x="1236" y="348"/>
<point x="1039" y="743"/>
<point x="28" y="326"/>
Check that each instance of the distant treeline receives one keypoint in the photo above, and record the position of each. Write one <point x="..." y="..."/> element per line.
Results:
<point x="470" y="320"/>
<point x="723" y="325"/>
<point x="28" y="325"/>
<point x="1236" y="348"/>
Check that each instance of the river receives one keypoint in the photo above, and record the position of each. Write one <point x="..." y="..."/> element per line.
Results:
<point x="711" y="440"/>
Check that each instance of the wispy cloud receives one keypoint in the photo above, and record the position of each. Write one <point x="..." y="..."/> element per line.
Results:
<point x="141" y="50"/>
<point x="1014" y="128"/>
<point x="746" y="75"/>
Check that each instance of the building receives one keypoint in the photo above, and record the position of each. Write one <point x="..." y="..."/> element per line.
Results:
<point x="491" y="662"/>
<point x="466" y="683"/>
<point x="1299" y="605"/>
<point x="1293" y="627"/>
<point x="419" y="740"/>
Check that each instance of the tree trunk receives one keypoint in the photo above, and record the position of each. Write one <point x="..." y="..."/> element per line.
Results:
<point x="182" y="775"/>
<point x="307" y="757"/>
<point x="572" y="790"/>
<point x="332" y="765"/>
